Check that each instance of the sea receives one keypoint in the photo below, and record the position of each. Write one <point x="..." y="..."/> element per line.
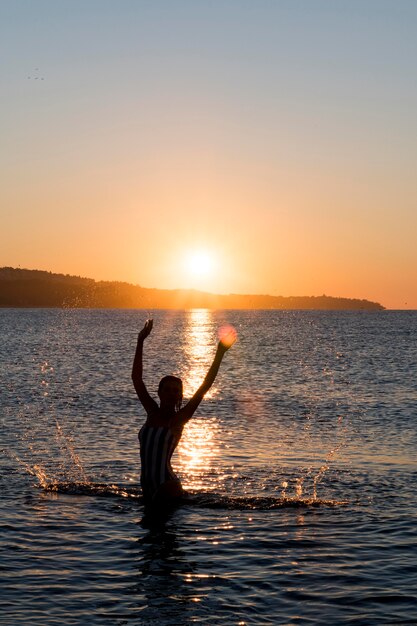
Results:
<point x="300" y="468"/>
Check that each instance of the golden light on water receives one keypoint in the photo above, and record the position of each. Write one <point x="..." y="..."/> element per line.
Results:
<point x="199" y="349"/>
<point x="196" y="453"/>
<point x="199" y="443"/>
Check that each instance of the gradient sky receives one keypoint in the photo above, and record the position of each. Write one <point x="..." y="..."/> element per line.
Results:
<point x="279" y="136"/>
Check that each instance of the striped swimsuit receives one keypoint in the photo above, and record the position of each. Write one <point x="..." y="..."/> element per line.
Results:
<point x="157" y="444"/>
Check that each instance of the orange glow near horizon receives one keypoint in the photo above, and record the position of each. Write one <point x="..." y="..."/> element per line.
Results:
<point x="163" y="150"/>
<point x="294" y="244"/>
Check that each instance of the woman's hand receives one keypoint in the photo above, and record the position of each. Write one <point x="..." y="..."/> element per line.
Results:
<point x="227" y="336"/>
<point x="146" y="330"/>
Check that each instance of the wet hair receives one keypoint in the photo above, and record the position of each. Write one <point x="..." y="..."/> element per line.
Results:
<point x="172" y="379"/>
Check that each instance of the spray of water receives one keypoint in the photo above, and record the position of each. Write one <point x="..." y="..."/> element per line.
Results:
<point x="35" y="470"/>
<point x="66" y="443"/>
<point x="317" y="478"/>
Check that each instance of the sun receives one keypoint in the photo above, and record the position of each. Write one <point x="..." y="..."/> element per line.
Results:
<point x="199" y="263"/>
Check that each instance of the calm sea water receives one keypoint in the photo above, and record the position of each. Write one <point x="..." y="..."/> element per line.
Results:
<point x="301" y="466"/>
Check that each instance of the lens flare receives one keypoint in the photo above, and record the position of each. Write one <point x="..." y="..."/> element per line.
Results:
<point x="227" y="335"/>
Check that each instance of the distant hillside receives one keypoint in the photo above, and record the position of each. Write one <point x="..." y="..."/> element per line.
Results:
<point x="34" y="288"/>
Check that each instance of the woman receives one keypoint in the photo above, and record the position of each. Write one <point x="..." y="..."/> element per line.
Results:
<point x="160" y="434"/>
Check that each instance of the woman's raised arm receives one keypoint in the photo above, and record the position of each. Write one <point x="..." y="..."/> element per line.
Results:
<point x="137" y="370"/>
<point x="226" y="342"/>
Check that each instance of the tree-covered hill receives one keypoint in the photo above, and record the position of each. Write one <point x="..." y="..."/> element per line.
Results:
<point x="35" y="288"/>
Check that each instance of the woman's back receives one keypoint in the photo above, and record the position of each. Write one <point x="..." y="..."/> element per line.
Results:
<point x="157" y="444"/>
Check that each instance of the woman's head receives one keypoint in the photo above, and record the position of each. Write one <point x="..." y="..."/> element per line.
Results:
<point x="170" y="391"/>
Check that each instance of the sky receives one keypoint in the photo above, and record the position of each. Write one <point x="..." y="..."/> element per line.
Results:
<point x="234" y="146"/>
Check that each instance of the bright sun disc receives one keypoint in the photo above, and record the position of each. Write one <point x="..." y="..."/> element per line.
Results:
<point x="199" y="263"/>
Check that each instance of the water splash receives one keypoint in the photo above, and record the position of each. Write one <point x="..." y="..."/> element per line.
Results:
<point x="93" y="489"/>
<point x="35" y="470"/>
<point x="257" y="503"/>
<point x="209" y="500"/>
<point x="195" y="499"/>
<point x="66" y="443"/>
<point x="41" y="475"/>
<point x="299" y="487"/>
<point x="42" y="461"/>
<point x="317" y="478"/>
<point x="313" y="474"/>
<point x="323" y="469"/>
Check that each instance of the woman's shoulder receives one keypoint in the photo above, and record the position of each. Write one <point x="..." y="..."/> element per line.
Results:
<point x="153" y="413"/>
<point x="153" y="421"/>
<point x="157" y="420"/>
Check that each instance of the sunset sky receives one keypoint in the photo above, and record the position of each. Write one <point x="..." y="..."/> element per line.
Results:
<point x="245" y="146"/>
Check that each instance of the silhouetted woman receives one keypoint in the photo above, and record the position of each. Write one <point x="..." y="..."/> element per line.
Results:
<point x="160" y="434"/>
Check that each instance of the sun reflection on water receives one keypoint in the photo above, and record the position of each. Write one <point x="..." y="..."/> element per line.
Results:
<point x="199" y="443"/>
<point x="196" y="453"/>
<point x="199" y="348"/>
